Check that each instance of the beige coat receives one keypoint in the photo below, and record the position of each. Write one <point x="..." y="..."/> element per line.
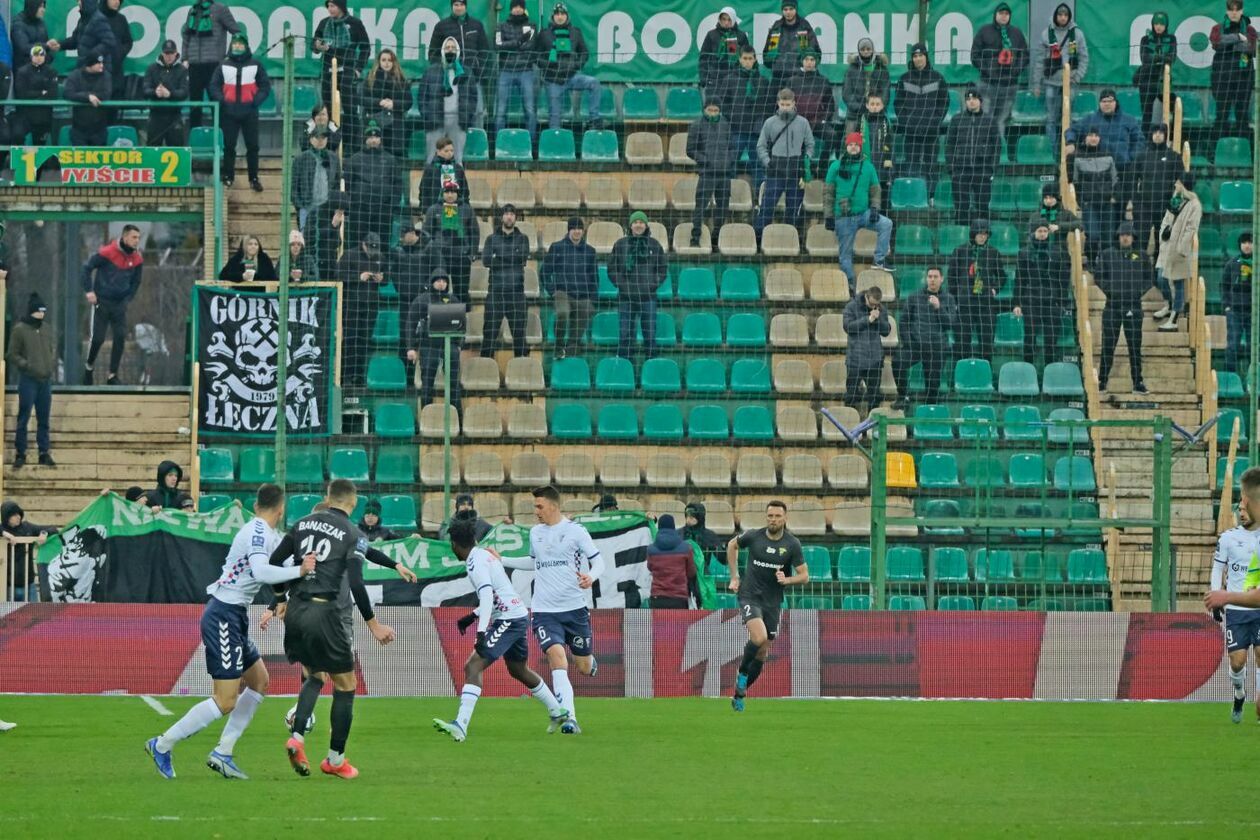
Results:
<point x="1175" y="253"/>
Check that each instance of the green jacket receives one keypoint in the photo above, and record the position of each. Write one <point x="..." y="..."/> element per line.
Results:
<point x="32" y="351"/>
<point x="850" y="189"/>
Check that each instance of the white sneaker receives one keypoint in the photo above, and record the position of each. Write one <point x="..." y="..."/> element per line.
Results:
<point x="5" y="726"/>
<point x="1170" y="325"/>
<point x="1163" y="312"/>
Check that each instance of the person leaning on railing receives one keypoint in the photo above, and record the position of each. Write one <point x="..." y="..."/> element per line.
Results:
<point x="90" y="85"/>
<point x="37" y="79"/>
<point x="166" y="81"/>
<point x="24" y="537"/>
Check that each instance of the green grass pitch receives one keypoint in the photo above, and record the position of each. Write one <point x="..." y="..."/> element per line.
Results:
<point x="75" y="767"/>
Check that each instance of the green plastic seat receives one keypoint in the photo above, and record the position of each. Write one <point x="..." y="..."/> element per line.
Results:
<point x="663" y="421"/>
<point x="258" y="465"/>
<point x="727" y="601"/>
<point x="909" y="194"/>
<point x="740" y="285"/>
<point x="1040" y="566"/>
<point x="418" y="147"/>
<point x="943" y="195"/>
<point x="513" y="145"/>
<point x="618" y="421"/>
<point x="305" y="465"/>
<point x="1089" y="605"/>
<point x="571" y="421"/>
<point x="855" y="602"/>
<point x="122" y="135"/>
<point x="640" y="103"/>
<point x="745" y="329"/>
<point x="350" y="463"/>
<point x="981" y="422"/>
<point x="1236" y="197"/>
<point x="904" y="562"/>
<point x="1087" y="565"/>
<point x="1130" y="102"/>
<point x="1074" y="473"/>
<point x="697" y="284"/>
<point x="557" y="144"/>
<point x="385" y="330"/>
<point x="600" y="146"/>
<point x="570" y="374"/>
<point x="298" y="505"/>
<point x="932" y="431"/>
<point x="753" y="422"/>
<point x="395" y="465"/>
<point x="956" y="603"/>
<point x="1008" y="333"/>
<point x="395" y="420"/>
<point x="1206" y="191"/>
<point x="706" y="376"/>
<point x="614" y="374"/>
<point x="708" y="422"/>
<point x="813" y="602"/>
<point x="936" y="510"/>
<point x="660" y="376"/>
<point x="1021" y="422"/>
<point x="1005" y="238"/>
<point x="1046" y="605"/>
<point x="913" y="241"/>
<point x="949" y="238"/>
<point x="1241" y="463"/>
<point x="1018" y="379"/>
<point x="984" y="472"/>
<point x="386" y="373"/>
<point x="605" y="329"/>
<point x="1192" y="111"/>
<point x="999" y="603"/>
<point x="1225" y="425"/>
<point x="1033" y="512"/>
<point x="1062" y="433"/>
<point x="1027" y="471"/>
<point x="853" y="563"/>
<point x="476" y="145"/>
<point x="217" y="465"/>
<point x="750" y="376"/>
<point x="205" y="141"/>
<point x="1002" y="199"/>
<point x="702" y="329"/>
<point x="666" y="330"/>
<point x="212" y="501"/>
<point x="1028" y="109"/>
<point x="1212" y="244"/>
<point x="1063" y="379"/>
<point x="1084" y="102"/>
<point x="907" y="603"/>
<point x="683" y="104"/>
<point x="973" y="376"/>
<point x="949" y="563"/>
<point x="995" y="564"/>
<point x="399" y="512"/>
<point x="1233" y="153"/>
<point x="1229" y="386"/>
<point x="938" y="469"/>
<point x="1027" y="195"/>
<point x="1034" y="150"/>
<point x="818" y="559"/>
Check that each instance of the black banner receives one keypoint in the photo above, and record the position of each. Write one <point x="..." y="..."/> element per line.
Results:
<point x="238" y="349"/>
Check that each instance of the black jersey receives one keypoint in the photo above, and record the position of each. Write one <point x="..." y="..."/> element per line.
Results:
<point x="340" y="550"/>
<point x="765" y="558"/>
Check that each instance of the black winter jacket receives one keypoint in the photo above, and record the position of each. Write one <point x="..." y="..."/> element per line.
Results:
<point x="862" y="78"/>
<point x="563" y="66"/>
<point x="719" y="53"/>
<point x="470" y="34"/>
<point x="572" y="269"/>
<point x="637" y="266"/>
<point x="922" y="101"/>
<point x="924" y="327"/>
<point x="1124" y="275"/>
<point x="514" y="40"/>
<point x="972" y="143"/>
<point x="505" y="255"/>
<point x="709" y="145"/>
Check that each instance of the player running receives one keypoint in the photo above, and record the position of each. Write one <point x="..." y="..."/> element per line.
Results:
<point x="508" y="638"/>
<point x="1237" y="566"/>
<point x="772" y="553"/>
<point x="231" y="657"/>
<point x="315" y="630"/>
<point x="5" y="726"/>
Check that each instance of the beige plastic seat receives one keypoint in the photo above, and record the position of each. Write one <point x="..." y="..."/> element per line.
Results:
<point x="660" y="233"/>
<point x="711" y="469"/>
<point x="527" y="420"/>
<point x="493" y="507"/>
<point x="432" y="514"/>
<point x="532" y="289"/>
<point x="683" y="193"/>
<point x="477" y="374"/>
<point x="620" y="469"/>
<point x="752" y="513"/>
<point x="892" y="339"/>
<point x="793" y="376"/>
<point x="475" y="326"/>
<point x="896" y="432"/>
<point x="678" y="150"/>
<point x="1216" y="332"/>
<point x="828" y="285"/>
<point x="848" y="472"/>
<point x="829" y="330"/>
<point x="660" y="505"/>
<point x="878" y="277"/>
<point x="644" y="148"/>
<point x="666" y="469"/>
<point x="682" y="241"/>
<point x="796" y="422"/>
<point x="553" y="232"/>
<point x="737" y="239"/>
<point x="479" y="195"/>
<point x="900" y="508"/>
<point x="433" y="468"/>
<point x="814" y="192"/>
<point x="789" y="329"/>
<point x="808" y="518"/>
<point x="431" y="422"/>
<point x="530" y="232"/>
<point x="484" y="229"/>
<point x="851" y="519"/>
<point x="483" y="421"/>
<point x="720" y="517"/>
<point x="784" y="285"/>
<point x="802" y="472"/>
<point x="864" y="244"/>
<point x="478" y="282"/>
<point x="780" y="240"/>
<point x="483" y="469"/>
<point x="577" y="504"/>
<point x="602" y="236"/>
<point x="646" y="193"/>
<point x="575" y="469"/>
<point x="533" y="328"/>
<point x="820" y="242"/>
<point x="561" y="194"/>
<point x="524" y="373"/>
<point x="847" y="415"/>
<point x="604" y="193"/>
<point x="518" y="191"/>
<point x="741" y="196"/>
<point x="832" y="377"/>
<point x="523" y="508"/>
<point x="530" y="469"/>
<point x="631" y="503"/>
<point x="755" y="470"/>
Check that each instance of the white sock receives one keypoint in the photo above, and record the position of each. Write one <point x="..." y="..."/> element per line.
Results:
<point x="564" y="691"/>
<point x="198" y="718"/>
<point x="336" y="758"/>
<point x="246" y="705"/>
<point x="1258" y="682"/>
<point x="544" y="695"/>
<point x="467" y="702"/>
<point x="1237" y="678"/>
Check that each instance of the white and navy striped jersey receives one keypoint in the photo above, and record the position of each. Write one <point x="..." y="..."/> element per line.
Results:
<point x="494" y="589"/>
<point x="248" y="567"/>
<point x="1236" y="550"/>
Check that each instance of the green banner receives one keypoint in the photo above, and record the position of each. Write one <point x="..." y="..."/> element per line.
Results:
<point x="651" y="44"/>
<point x="104" y="166"/>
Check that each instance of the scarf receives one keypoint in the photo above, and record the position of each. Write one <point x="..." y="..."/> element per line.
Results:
<point x="450" y="219"/>
<point x="1050" y="214"/>
<point x="1244" y="22"/>
<point x="1160" y="45"/>
<point x="561" y="44"/>
<point x="749" y="91"/>
<point x="1006" y="36"/>
<point x="638" y="249"/>
<point x="336" y="34"/>
<point x="1244" y="268"/>
<point x="728" y="48"/>
<point x="1176" y="203"/>
<point x="450" y="72"/>
<point x="199" y="21"/>
<point x="973" y="270"/>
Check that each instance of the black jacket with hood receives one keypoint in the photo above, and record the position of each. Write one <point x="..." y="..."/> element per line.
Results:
<point x="922" y="97"/>
<point x="25" y="570"/>
<point x="862" y="78"/>
<point x="974" y="272"/>
<point x="415" y="333"/>
<point x="1042" y="274"/>
<point x="432" y="89"/>
<point x="166" y="497"/>
<point x="27" y="31"/>
<point x="998" y="63"/>
<point x="748" y="99"/>
<point x="815" y="100"/>
<point x="637" y="266"/>
<point x="555" y="64"/>
<point x="347" y="41"/>
<point x="470" y="34"/>
<point x="240" y="84"/>
<point x="719" y="53"/>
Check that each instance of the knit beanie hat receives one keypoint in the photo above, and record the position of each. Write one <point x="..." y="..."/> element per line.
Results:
<point x="638" y="216"/>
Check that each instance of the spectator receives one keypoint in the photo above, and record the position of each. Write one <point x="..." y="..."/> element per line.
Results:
<point x="122" y="42"/>
<point x="514" y="40"/>
<point x="361" y="271"/>
<point x="33" y="352"/>
<point x="747" y="102"/>
<point x="385" y="98"/>
<point x="36" y="80"/>
<point x="301" y="263"/>
<point x="371" y="525"/>
<point x="1119" y="133"/>
<point x="1000" y="53"/>
<point x="505" y="253"/>
<point x="377" y="188"/>
<point x="877" y="137"/>
<point x="928" y="316"/>
<point x="1236" y="282"/>
<point x="167" y="495"/>
<point x="135" y="493"/>
<point x="789" y="37"/>
<point x="442" y="169"/>
<point x="453" y="238"/>
<point x="1061" y="220"/>
<point x="91" y="85"/>
<point x="1234" y="44"/>
<point x="427" y="351"/>
<point x="815" y="100"/>
<point x="29" y="30"/>
<point x="637" y="267"/>
<point x="866" y="323"/>
<point x="316" y="177"/>
<point x="975" y="277"/>
<point x="100" y="37"/>
<point x="1095" y="179"/>
<point x="1042" y="274"/>
<point x="1148" y="184"/>
<point x="204" y="38"/>
<point x="866" y="74"/>
<point x="447" y="101"/>
<point x="922" y="103"/>
<point x="240" y="85"/>
<point x="343" y="37"/>
<point x="166" y="81"/>
<point x="786" y="150"/>
<point x="250" y="263"/>
<point x="607" y="504"/>
<point x="464" y="505"/>
<point x="570" y="274"/>
<point x="851" y="198"/>
<point x="320" y="117"/>
<point x="671" y="562"/>
<point x="474" y="48"/>
<point x="1124" y="273"/>
<point x="1158" y="49"/>
<point x="110" y="279"/>
<point x="73" y="41"/>
<point x="1062" y="44"/>
<point x="1177" y="231"/>
<point x="13" y="523"/>
<point x="972" y="148"/>
<point x="409" y="264"/>
<point x="561" y="54"/>
<point x="694" y="529"/>
<point x="709" y="145"/>
<point x="719" y="52"/>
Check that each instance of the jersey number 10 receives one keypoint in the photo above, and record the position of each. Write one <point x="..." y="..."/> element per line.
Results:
<point x="320" y="549"/>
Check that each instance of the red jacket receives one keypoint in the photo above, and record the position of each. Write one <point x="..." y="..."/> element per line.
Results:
<point x="672" y="564"/>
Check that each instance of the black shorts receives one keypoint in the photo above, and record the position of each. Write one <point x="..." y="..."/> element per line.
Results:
<point x="1242" y="629"/>
<point x="748" y="610"/>
<point x="316" y="634"/>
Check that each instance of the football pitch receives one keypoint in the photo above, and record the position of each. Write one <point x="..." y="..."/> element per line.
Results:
<point x="75" y="766"/>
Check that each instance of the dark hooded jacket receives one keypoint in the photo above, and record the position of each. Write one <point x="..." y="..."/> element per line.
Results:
<point x="709" y="145"/>
<point x="864" y="77"/>
<point x="1234" y="53"/>
<point x="972" y="143"/>
<point x="113" y="273"/>
<point x="121" y="30"/>
<point x="374" y="178"/>
<point x="1125" y="275"/>
<point x="815" y="100"/>
<point x="922" y="98"/>
<point x="97" y="38"/>
<point x="1042" y="273"/>
<point x="438" y="81"/>
<point x="1157" y="52"/>
<point x="924" y="328"/>
<point x="435" y="174"/>
<point x="79" y="85"/>
<point x="166" y="497"/>
<point x="28" y="30"/>
<point x="514" y="41"/>
<point x="347" y="41"/>
<point x="379" y="531"/>
<point x="672" y="565"/>
<point x="747" y="98"/>
<point x="25" y="571"/>
<point x="974" y="272"/>
<point x="719" y="53"/>
<point x="637" y="266"/>
<point x="470" y="34"/>
<point x="700" y="533"/>
<point x="453" y="229"/>
<point x="865" y="350"/>
<point x="33" y="82"/>
<point x="240" y="84"/>
<point x="505" y="255"/>
<point x="999" y="60"/>
<point x="415" y="333"/>
<point x="1149" y="182"/>
<point x="234" y="269"/>
<point x="408" y="269"/>
<point x="560" y="52"/>
<point x="784" y="44"/>
<point x="572" y="269"/>
<point x="33" y="349"/>
<point x="1094" y="175"/>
